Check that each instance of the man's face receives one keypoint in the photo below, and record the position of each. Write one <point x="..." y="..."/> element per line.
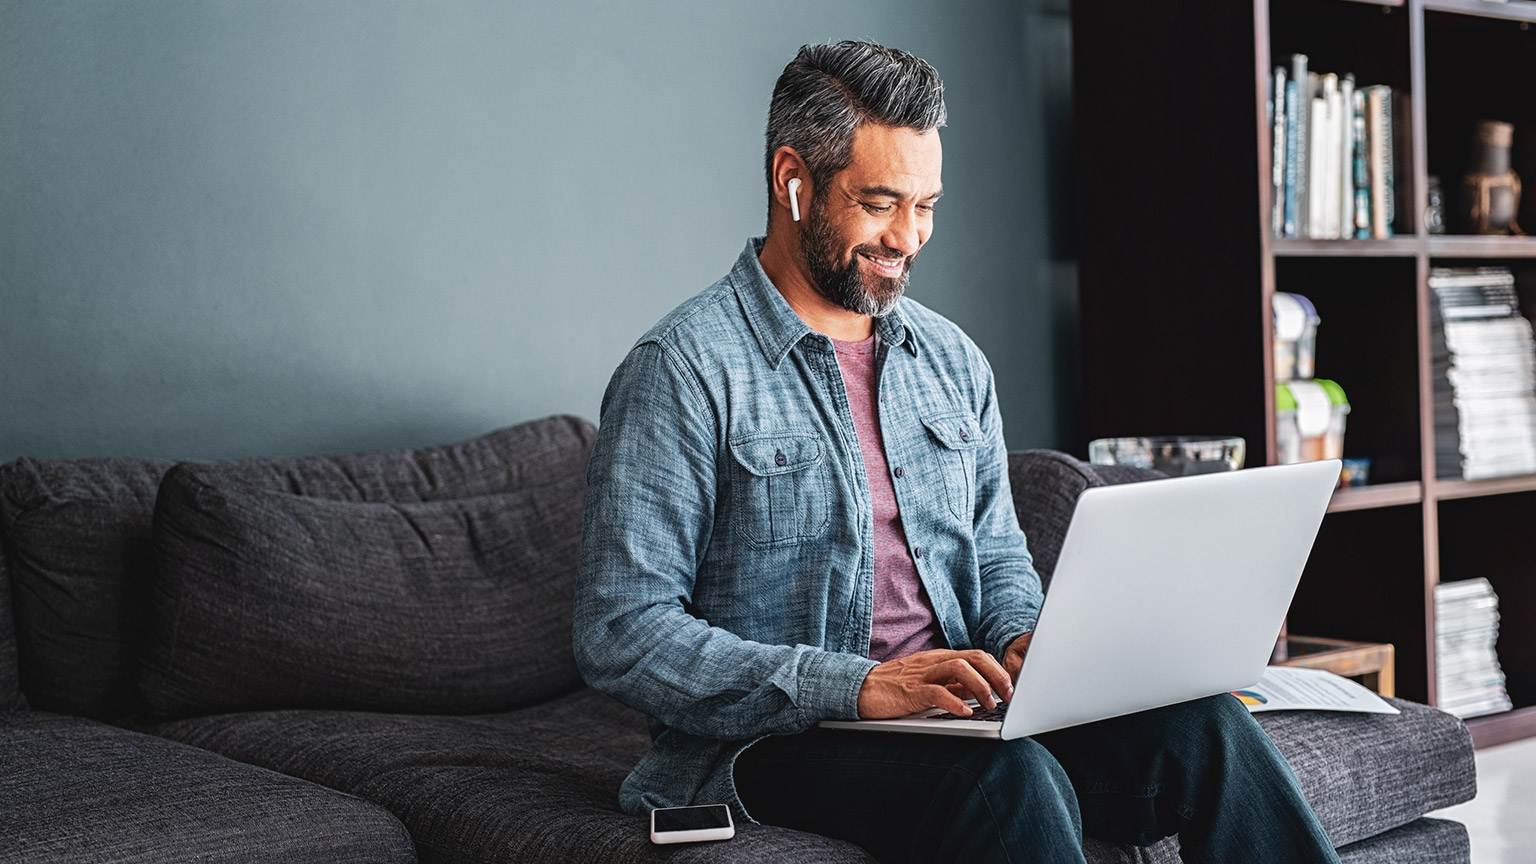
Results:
<point x="868" y="223"/>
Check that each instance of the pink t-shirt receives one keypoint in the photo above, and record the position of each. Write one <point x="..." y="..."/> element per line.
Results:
<point x="904" y="622"/>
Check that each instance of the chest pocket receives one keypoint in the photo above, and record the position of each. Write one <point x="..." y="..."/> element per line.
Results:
<point x="781" y="488"/>
<point x="957" y="437"/>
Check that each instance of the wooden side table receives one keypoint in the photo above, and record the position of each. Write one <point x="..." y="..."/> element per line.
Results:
<point x="1370" y="663"/>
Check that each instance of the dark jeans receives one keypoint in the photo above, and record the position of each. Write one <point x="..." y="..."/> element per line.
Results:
<point x="1203" y="770"/>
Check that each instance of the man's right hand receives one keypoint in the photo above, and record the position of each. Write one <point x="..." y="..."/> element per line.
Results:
<point x="940" y="678"/>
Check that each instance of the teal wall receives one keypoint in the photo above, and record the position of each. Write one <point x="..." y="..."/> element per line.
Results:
<point x="276" y="227"/>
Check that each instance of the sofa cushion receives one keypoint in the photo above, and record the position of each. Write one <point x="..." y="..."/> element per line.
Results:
<point x="77" y="535"/>
<point x="537" y="784"/>
<point x="1367" y="773"/>
<point x="272" y="594"/>
<point x="1046" y="485"/>
<point x="1422" y="841"/>
<point x="77" y="790"/>
<point x="10" y="691"/>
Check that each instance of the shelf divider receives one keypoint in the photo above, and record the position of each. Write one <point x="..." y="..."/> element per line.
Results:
<point x="1302" y="247"/>
<point x="1512" y="10"/>
<point x="1501" y="728"/>
<point x="1473" y="246"/>
<point x="1450" y="488"/>
<point x="1370" y="497"/>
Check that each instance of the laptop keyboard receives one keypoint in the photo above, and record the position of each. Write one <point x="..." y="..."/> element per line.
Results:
<point x="977" y="713"/>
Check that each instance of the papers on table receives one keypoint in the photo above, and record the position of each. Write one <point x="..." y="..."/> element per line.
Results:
<point x="1288" y="688"/>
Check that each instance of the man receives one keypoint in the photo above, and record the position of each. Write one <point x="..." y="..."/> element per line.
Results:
<point x="799" y="510"/>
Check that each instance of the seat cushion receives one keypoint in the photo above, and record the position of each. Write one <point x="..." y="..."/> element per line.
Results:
<point x="1367" y="773"/>
<point x="538" y="784"/>
<point x="1422" y="841"/>
<point x="77" y="790"/>
<point x="285" y="598"/>
<point x="77" y="536"/>
<point x="10" y="690"/>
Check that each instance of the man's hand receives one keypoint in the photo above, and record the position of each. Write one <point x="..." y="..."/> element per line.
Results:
<point x="1013" y="658"/>
<point x="940" y="678"/>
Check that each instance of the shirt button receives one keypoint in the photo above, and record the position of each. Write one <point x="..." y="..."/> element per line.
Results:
<point x="778" y="459"/>
<point x="917" y="551"/>
<point x="965" y="436"/>
<point x="899" y="472"/>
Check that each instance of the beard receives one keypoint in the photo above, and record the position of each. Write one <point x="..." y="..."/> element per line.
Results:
<point x="845" y="284"/>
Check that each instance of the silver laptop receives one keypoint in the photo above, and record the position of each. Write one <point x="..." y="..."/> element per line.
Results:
<point x="1165" y="591"/>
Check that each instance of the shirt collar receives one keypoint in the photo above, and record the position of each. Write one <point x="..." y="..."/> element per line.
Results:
<point x="776" y="326"/>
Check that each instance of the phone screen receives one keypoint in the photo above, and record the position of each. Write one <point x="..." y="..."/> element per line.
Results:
<point x="692" y="818"/>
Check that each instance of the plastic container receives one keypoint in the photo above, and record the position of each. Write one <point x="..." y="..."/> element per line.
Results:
<point x="1295" y="322"/>
<point x="1309" y="418"/>
<point x="1174" y="455"/>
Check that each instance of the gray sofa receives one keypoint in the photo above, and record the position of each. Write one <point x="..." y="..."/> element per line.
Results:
<point x="367" y="658"/>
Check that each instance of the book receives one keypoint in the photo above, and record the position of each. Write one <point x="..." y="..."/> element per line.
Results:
<point x="1345" y="114"/>
<point x="1277" y="121"/>
<point x="1378" y="119"/>
<point x="1362" y="184"/>
<point x="1292" y="158"/>
<point x="1483" y="358"/>
<point x="1299" y="75"/>
<point x="1469" y="681"/>
<point x="1328" y="156"/>
<point x="1317" y="166"/>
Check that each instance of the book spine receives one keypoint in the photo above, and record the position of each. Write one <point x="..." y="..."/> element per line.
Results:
<point x="1362" y="215"/>
<point x="1388" y="167"/>
<point x="1317" y="168"/>
<point x="1292" y="155"/>
<point x="1377" y="163"/>
<point x="1277" y="109"/>
<point x="1346" y="117"/>
<point x="1329" y="158"/>
<point x="1303" y="141"/>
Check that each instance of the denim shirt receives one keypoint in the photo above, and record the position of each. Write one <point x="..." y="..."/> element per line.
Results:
<point x="726" y="577"/>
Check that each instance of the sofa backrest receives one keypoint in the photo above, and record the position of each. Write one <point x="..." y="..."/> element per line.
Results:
<point x="77" y="535"/>
<point x="81" y="541"/>
<point x="10" y="690"/>
<point x="436" y="580"/>
<point x="1046" y="485"/>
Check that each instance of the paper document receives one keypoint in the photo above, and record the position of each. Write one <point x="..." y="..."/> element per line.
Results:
<point x="1288" y="688"/>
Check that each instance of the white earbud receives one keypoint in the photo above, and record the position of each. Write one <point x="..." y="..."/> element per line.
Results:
<point x="794" y="198"/>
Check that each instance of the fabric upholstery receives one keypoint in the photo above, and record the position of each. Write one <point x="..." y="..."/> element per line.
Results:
<point x="284" y="598"/>
<point x="10" y="692"/>
<point x="1422" y="841"/>
<point x="538" y="784"/>
<point x="77" y="790"/>
<point x="77" y="534"/>
<point x="1365" y="773"/>
<point x="1046" y="485"/>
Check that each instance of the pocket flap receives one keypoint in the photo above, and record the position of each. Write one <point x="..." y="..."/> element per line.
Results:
<point x="768" y="453"/>
<point x="957" y="431"/>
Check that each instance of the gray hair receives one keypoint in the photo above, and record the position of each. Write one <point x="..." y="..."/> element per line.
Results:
<point x="828" y="91"/>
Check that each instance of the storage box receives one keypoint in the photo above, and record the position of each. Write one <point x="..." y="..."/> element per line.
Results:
<point x="1309" y="417"/>
<point x="1295" y="323"/>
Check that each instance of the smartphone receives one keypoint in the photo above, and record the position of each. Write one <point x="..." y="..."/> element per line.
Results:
<point x="692" y="824"/>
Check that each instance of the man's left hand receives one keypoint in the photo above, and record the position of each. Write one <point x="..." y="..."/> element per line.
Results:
<point x="1013" y="658"/>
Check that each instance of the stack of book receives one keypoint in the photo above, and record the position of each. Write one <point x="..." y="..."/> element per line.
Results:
<point x="1485" y="374"/>
<point x="1468" y="679"/>
<point x="1333" y="161"/>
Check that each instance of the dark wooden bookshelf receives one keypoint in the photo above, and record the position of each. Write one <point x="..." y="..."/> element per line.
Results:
<point x="1380" y="495"/>
<point x="1178" y="265"/>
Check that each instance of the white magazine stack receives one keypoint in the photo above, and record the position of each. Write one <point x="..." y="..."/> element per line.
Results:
<point x="1485" y="375"/>
<point x="1468" y="679"/>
